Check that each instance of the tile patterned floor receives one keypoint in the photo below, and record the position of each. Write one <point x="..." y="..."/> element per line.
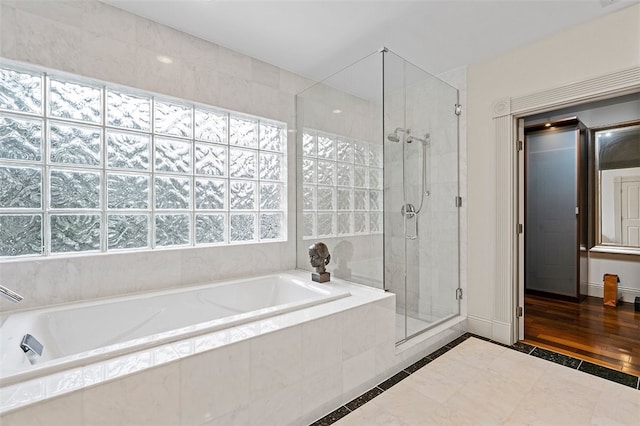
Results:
<point x="476" y="382"/>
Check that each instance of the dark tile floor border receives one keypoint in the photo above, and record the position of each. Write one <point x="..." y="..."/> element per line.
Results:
<point x="565" y="360"/>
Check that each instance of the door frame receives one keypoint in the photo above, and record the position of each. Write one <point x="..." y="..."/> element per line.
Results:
<point x="505" y="324"/>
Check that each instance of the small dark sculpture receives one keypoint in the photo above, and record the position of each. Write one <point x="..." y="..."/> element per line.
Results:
<point x="319" y="257"/>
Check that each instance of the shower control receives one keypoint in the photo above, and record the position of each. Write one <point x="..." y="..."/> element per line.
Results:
<point x="410" y="213"/>
<point x="408" y="210"/>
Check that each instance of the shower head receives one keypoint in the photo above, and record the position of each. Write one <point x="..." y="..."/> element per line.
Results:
<point x="393" y="137"/>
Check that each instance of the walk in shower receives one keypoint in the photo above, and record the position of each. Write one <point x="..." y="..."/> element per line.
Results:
<point x="377" y="173"/>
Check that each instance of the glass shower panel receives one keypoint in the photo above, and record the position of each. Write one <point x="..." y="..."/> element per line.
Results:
<point x="340" y="169"/>
<point x="421" y="186"/>
<point x="377" y="173"/>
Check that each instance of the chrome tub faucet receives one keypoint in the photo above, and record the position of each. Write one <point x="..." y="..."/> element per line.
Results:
<point x="10" y="294"/>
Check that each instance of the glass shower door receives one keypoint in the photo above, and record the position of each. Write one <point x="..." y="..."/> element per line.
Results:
<point x="421" y="189"/>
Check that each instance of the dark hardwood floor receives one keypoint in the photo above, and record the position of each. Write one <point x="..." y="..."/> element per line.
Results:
<point x="589" y="331"/>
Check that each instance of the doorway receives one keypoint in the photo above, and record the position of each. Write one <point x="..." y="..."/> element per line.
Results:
<point x="587" y="330"/>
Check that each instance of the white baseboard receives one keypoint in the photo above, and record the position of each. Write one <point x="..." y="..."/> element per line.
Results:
<point x="495" y="330"/>
<point x="480" y="326"/>
<point x="502" y="332"/>
<point x="628" y="294"/>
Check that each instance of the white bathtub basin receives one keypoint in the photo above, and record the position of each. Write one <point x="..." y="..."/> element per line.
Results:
<point x="80" y="333"/>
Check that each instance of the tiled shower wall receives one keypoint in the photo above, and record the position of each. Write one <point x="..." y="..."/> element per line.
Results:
<point x="95" y="40"/>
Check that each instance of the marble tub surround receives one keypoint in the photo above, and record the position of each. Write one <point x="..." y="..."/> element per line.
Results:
<point x="474" y="381"/>
<point x="288" y="369"/>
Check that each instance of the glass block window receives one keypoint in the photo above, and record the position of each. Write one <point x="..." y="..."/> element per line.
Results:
<point x="342" y="186"/>
<point x="87" y="166"/>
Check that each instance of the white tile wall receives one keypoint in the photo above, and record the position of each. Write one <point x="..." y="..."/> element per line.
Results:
<point x="223" y="375"/>
<point x="93" y="39"/>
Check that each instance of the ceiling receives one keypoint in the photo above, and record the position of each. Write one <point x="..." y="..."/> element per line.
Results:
<point x="316" y="38"/>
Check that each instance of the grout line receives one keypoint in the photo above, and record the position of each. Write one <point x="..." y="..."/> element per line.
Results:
<point x="579" y="365"/>
<point x="531" y="351"/>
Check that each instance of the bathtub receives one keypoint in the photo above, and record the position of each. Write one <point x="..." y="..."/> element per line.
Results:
<point x="81" y="333"/>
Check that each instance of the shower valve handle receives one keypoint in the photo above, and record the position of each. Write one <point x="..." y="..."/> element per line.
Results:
<point x="409" y="212"/>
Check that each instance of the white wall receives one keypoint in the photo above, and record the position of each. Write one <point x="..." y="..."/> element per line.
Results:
<point x="92" y="39"/>
<point x="602" y="46"/>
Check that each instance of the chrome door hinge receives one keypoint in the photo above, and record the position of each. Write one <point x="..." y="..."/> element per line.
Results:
<point x="519" y="311"/>
<point x="520" y="228"/>
<point x="520" y="146"/>
<point x="458" y="109"/>
<point x="458" y="201"/>
<point x="458" y="294"/>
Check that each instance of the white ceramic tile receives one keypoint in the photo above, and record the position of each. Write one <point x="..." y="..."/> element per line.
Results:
<point x="385" y="357"/>
<point x="206" y="87"/>
<point x="493" y="397"/>
<point x="529" y="368"/>
<point x="159" y="38"/>
<point x="321" y="348"/>
<point x="293" y="83"/>
<point x="68" y="12"/>
<point x="234" y="92"/>
<point x="108" y="21"/>
<point x="276" y="361"/>
<point x="264" y="101"/>
<point x="106" y="57"/>
<point x="234" y="63"/>
<point x="321" y="391"/>
<point x="234" y="418"/>
<point x="64" y="382"/>
<point x="62" y="411"/>
<point x="475" y="353"/>
<point x="617" y="406"/>
<point x="265" y="73"/>
<point x="159" y="77"/>
<point x="358" y="331"/>
<point x="356" y="372"/>
<point x="36" y="45"/>
<point x="409" y="406"/>
<point x="372" y="414"/>
<point x="7" y="31"/>
<point x="278" y="407"/>
<point x="514" y="388"/>
<point x="201" y="53"/>
<point x="23" y="393"/>
<point x="441" y="381"/>
<point x="385" y="314"/>
<point x="151" y="397"/>
<point x="215" y="383"/>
